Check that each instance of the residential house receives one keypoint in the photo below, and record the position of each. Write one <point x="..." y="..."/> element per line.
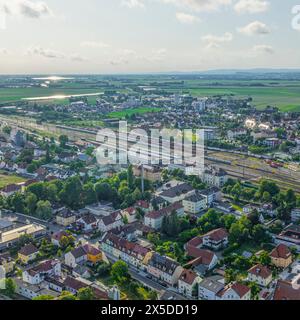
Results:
<point x="211" y="195"/>
<point x="204" y="260"/>
<point x="281" y="256"/>
<point x="110" y="222"/>
<point x="74" y="285"/>
<point x="7" y="262"/>
<point x="286" y="291"/>
<point x="154" y="219"/>
<point x="164" y="269"/>
<point x="295" y="215"/>
<point x="290" y="236"/>
<point x="65" y="217"/>
<point x="120" y="248"/>
<point x="216" y="177"/>
<point x="234" y="291"/>
<point x="188" y="283"/>
<point x="151" y="173"/>
<point x="129" y="214"/>
<point x="31" y="291"/>
<point x="28" y="253"/>
<point x="194" y="203"/>
<point x="260" y="274"/>
<point x="82" y="254"/>
<point x="37" y="274"/>
<point x="88" y="223"/>
<point x="216" y="239"/>
<point x="56" y="237"/>
<point x="178" y="192"/>
<point x="10" y="190"/>
<point x="209" y="287"/>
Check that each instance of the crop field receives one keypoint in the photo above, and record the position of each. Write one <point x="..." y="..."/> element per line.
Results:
<point x="285" y="94"/>
<point x="130" y="112"/>
<point x="6" y="179"/>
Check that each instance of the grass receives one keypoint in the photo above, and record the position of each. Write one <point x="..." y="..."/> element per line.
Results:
<point x="6" y="179"/>
<point x="130" y="112"/>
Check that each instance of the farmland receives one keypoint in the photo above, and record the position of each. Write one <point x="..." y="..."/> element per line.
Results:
<point x="6" y="179"/>
<point x="282" y="93"/>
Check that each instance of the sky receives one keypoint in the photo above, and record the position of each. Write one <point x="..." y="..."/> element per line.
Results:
<point x="144" y="36"/>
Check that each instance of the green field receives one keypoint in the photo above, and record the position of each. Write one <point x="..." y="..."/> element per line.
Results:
<point x="130" y="112"/>
<point x="285" y="94"/>
<point x="9" y="179"/>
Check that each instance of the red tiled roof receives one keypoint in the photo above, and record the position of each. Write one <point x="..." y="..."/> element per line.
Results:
<point x="28" y="250"/>
<point x="286" y="291"/>
<point x="188" y="276"/>
<point x="260" y="271"/>
<point x="201" y="256"/>
<point x="164" y="211"/>
<point x="217" y="234"/>
<point x="195" y="242"/>
<point x="281" y="251"/>
<point x="240" y="289"/>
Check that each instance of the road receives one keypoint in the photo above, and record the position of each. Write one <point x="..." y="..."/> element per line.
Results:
<point x="151" y="284"/>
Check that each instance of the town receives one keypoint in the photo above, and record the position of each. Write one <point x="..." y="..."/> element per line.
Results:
<point x="75" y="229"/>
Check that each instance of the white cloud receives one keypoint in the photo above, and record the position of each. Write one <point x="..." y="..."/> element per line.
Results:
<point x="27" y="8"/>
<point x="3" y="51"/>
<point x="158" y="54"/>
<point x="194" y="5"/>
<point x="94" y="44"/>
<point x="76" y="57"/>
<point x="255" y="28"/>
<point x="46" y="53"/>
<point x="214" y="41"/>
<point x="133" y="3"/>
<point x="263" y="48"/>
<point x="186" y="18"/>
<point x="53" y="54"/>
<point x="199" y="5"/>
<point x="251" y="6"/>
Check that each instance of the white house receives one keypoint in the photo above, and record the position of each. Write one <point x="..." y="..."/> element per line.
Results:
<point x="194" y="203"/>
<point x="38" y="273"/>
<point x="260" y="274"/>
<point x="188" y="283"/>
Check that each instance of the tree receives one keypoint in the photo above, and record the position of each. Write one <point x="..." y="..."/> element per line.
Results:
<point x="119" y="272"/>
<point x="259" y="233"/>
<point x="86" y="294"/>
<point x="291" y="199"/>
<point x="31" y="202"/>
<point x="66" y="295"/>
<point x="43" y="210"/>
<point x="10" y="287"/>
<point x="43" y="297"/>
<point x="71" y="193"/>
<point x="63" y="140"/>
<point x="130" y="177"/>
<point x="88" y="194"/>
<point x="6" y="130"/>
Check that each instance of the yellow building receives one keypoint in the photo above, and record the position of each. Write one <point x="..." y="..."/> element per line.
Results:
<point x="65" y="217"/>
<point x="281" y="256"/>
<point x="7" y="262"/>
<point x="28" y="253"/>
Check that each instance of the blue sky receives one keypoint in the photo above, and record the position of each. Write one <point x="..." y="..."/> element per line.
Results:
<point x="132" y="36"/>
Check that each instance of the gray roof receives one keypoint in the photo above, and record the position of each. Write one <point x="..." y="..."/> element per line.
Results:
<point x="177" y="190"/>
<point x="213" y="283"/>
<point x="5" y="224"/>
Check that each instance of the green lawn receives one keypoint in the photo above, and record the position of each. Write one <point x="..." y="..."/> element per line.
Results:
<point x="9" y="179"/>
<point x="130" y="112"/>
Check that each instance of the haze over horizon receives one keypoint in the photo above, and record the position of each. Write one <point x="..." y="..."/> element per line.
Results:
<point x="146" y="36"/>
